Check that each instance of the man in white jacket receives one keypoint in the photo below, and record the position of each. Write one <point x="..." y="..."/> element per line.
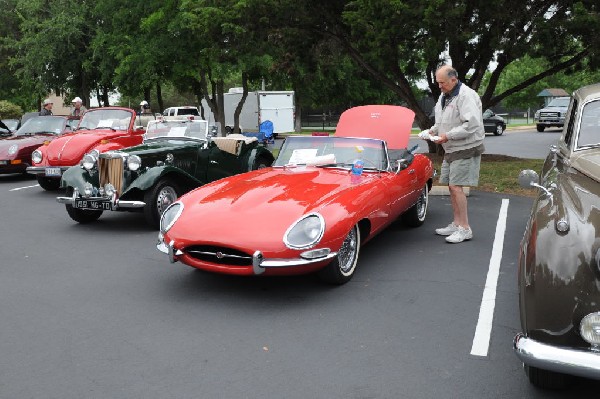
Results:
<point x="459" y="129"/>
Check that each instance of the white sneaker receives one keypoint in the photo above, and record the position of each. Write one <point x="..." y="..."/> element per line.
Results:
<point x="446" y="231"/>
<point x="460" y="235"/>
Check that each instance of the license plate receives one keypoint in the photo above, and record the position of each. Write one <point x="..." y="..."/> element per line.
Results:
<point x="53" y="172"/>
<point x="93" y="204"/>
<point x="3" y="162"/>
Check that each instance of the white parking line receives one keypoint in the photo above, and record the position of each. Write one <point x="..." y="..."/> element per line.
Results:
<point x="23" y="188"/>
<point x="481" y="340"/>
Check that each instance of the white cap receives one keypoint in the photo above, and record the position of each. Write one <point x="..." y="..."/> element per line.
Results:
<point x="144" y="102"/>
<point x="77" y="100"/>
<point x="48" y="101"/>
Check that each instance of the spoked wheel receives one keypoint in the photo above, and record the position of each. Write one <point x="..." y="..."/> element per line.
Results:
<point x="415" y="216"/>
<point x="81" y="215"/>
<point x="342" y="268"/>
<point x="158" y="199"/>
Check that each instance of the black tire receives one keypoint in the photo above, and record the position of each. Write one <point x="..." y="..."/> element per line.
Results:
<point x="499" y="130"/>
<point x="546" y="379"/>
<point x="82" y="216"/>
<point x="261" y="162"/>
<point x="540" y="128"/>
<point x="343" y="266"/>
<point x="47" y="183"/>
<point x="158" y="198"/>
<point x="415" y="216"/>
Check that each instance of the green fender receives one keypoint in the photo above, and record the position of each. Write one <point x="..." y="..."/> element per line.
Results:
<point x="76" y="177"/>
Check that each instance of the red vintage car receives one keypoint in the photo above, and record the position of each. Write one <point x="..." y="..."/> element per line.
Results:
<point x="312" y="210"/>
<point x="15" y="150"/>
<point x="100" y="129"/>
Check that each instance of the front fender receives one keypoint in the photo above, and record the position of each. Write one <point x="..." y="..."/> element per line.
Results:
<point x="76" y="177"/>
<point x="256" y="153"/>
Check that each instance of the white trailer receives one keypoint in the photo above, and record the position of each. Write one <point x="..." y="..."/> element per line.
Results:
<point x="275" y="106"/>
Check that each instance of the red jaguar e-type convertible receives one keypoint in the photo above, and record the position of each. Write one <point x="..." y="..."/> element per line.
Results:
<point x="312" y="210"/>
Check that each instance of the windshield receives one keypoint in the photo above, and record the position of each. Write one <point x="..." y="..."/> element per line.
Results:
<point x="589" y="128"/>
<point x="332" y="151"/>
<point x="12" y="124"/>
<point x="42" y="124"/>
<point x="562" y="102"/>
<point x="116" y="119"/>
<point x="190" y="129"/>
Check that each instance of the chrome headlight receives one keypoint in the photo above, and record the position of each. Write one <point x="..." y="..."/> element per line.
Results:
<point x="170" y="216"/>
<point x="306" y="232"/>
<point x="89" y="161"/>
<point x="134" y="162"/>
<point x="36" y="156"/>
<point x="12" y="150"/>
<point x="590" y="328"/>
<point x="109" y="190"/>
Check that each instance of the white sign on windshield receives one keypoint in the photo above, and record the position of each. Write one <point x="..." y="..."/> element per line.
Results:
<point x="302" y="155"/>
<point x="177" y="131"/>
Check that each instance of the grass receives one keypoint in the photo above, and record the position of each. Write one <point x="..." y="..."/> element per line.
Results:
<point x="499" y="173"/>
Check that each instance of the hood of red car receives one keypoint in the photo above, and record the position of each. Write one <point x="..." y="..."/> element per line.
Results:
<point x="25" y="143"/>
<point x="261" y="205"/>
<point x="390" y="123"/>
<point x="69" y="149"/>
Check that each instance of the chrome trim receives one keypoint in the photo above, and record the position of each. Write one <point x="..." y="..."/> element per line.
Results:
<point x="572" y="361"/>
<point x="35" y="170"/>
<point x="257" y="259"/>
<point x="300" y="219"/>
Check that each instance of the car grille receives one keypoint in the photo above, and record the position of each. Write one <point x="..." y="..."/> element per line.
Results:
<point x="111" y="171"/>
<point x="219" y="255"/>
<point x="549" y="114"/>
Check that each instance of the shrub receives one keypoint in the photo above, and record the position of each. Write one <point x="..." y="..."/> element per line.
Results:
<point x="9" y="110"/>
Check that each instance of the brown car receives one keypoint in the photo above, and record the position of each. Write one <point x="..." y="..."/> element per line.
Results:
<point x="559" y="259"/>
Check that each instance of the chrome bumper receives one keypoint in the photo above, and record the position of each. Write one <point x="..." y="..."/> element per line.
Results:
<point x="114" y="201"/>
<point x="41" y="170"/>
<point x="570" y="361"/>
<point x="259" y="263"/>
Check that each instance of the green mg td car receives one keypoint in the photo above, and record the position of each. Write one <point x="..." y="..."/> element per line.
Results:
<point x="175" y="157"/>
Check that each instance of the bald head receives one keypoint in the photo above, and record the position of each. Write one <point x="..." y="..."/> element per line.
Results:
<point x="446" y="78"/>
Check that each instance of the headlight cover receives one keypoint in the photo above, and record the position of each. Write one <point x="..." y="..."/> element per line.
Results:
<point x="36" y="156"/>
<point x="305" y="232"/>
<point x="590" y="328"/>
<point x="134" y="162"/>
<point x="89" y="161"/>
<point x="170" y="216"/>
<point x="12" y="150"/>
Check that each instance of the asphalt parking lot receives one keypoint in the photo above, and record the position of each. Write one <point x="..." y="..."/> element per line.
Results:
<point x="96" y="311"/>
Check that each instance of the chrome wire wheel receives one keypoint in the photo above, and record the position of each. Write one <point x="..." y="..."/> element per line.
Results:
<point x="166" y="196"/>
<point x="422" y="204"/>
<point x="349" y="252"/>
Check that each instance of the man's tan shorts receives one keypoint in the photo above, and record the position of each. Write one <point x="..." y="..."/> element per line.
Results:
<point x="461" y="172"/>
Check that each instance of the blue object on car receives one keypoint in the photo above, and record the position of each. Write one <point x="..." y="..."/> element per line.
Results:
<point x="266" y="128"/>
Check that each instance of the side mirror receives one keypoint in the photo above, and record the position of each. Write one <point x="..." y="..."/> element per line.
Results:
<point x="401" y="164"/>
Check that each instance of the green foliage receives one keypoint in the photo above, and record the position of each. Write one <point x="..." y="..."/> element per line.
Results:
<point x="9" y="110"/>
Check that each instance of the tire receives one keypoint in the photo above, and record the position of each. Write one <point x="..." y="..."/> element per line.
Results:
<point x="82" y="216"/>
<point x="540" y="128"/>
<point x="228" y="130"/>
<point x="47" y="183"/>
<point x="261" y="163"/>
<point x="342" y="268"/>
<point x="415" y="216"/>
<point x="499" y="130"/>
<point x="546" y="379"/>
<point x="157" y="199"/>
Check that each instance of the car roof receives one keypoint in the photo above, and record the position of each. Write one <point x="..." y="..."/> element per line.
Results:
<point x="391" y="123"/>
<point x="587" y="93"/>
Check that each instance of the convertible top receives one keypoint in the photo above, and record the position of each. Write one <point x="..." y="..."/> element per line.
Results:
<point x="391" y="123"/>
